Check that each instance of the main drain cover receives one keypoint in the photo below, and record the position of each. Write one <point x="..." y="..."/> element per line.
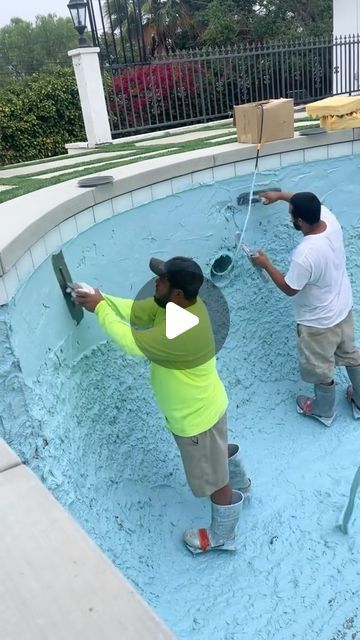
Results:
<point x="95" y="181"/>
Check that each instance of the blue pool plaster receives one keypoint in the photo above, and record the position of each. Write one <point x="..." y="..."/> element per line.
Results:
<point x="82" y="416"/>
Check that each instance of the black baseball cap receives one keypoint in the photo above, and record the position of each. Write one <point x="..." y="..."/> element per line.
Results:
<point x="182" y="273"/>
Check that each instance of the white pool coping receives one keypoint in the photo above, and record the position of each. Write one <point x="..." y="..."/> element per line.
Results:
<point x="56" y="583"/>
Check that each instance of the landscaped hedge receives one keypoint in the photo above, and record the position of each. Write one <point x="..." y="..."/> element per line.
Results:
<point x="39" y="115"/>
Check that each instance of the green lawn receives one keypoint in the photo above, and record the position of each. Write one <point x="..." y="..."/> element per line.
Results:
<point x="32" y="182"/>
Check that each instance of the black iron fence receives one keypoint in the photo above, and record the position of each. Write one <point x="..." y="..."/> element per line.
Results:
<point x="204" y="85"/>
<point x="117" y="27"/>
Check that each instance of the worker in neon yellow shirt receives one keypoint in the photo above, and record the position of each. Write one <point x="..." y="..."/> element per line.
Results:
<point x="187" y="388"/>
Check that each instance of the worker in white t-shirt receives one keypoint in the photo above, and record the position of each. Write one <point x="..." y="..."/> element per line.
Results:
<point x="318" y="280"/>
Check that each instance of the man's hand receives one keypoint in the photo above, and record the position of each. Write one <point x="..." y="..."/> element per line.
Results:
<point x="269" y="197"/>
<point x="260" y="260"/>
<point x="88" y="300"/>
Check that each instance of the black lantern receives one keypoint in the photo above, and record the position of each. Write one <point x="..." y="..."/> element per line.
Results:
<point x="77" y="10"/>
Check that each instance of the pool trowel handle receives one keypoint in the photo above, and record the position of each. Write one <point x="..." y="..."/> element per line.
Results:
<point x="264" y="200"/>
<point x="251" y="253"/>
<point x="73" y="287"/>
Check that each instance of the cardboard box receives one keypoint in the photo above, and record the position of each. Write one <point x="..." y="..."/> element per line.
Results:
<point x="278" y="121"/>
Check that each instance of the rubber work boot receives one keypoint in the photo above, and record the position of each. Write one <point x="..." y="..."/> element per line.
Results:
<point x="238" y="476"/>
<point x="353" y="390"/>
<point x="321" y="407"/>
<point x="221" y="533"/>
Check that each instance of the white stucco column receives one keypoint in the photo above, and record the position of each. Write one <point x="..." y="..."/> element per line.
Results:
<point x="346" y="21"/>
<point x="91" y="91"/>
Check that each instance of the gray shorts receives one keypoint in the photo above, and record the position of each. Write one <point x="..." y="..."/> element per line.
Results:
<point x="205" y="459"/>
<point x="320" y="350"/>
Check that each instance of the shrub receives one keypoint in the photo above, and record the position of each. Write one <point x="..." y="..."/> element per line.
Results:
<point x="158" y="93"/>
<point x="39" y="115"/>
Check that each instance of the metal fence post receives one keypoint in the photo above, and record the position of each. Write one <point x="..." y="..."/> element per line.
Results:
<point x="350" y="67"/>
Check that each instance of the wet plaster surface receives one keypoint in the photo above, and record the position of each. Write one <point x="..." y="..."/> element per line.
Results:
<point x="82" y="416"/>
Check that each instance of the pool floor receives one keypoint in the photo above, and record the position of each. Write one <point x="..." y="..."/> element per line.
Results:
<point x="294" y="574"/>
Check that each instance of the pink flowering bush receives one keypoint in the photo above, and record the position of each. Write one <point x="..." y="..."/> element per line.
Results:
<point x="164" y="92"/>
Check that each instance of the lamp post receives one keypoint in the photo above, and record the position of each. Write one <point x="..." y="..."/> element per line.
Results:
<point x="77" y="10"/>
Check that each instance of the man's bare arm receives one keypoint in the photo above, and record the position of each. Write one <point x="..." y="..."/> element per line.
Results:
<point x="262" y="261"/>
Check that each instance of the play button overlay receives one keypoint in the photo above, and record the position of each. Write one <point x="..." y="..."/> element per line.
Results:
<point x="178" y="320"/>
<point x="180" y="338"/>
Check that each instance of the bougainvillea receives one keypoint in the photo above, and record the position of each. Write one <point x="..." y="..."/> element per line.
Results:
<point x="154" y="94"/>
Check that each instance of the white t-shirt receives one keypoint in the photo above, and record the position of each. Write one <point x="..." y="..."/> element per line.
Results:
<point x="318" y="271"/>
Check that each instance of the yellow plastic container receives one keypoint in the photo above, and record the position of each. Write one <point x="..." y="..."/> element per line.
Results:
<point x="336" y="113"/>
<point x="335" y="106"/>
<point x="337" y="123"/>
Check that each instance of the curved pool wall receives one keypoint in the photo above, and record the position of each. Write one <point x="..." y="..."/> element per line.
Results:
<point x="81" y="414"/>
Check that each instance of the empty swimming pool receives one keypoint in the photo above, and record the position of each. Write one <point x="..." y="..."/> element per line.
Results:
<point x="92" y="433"/>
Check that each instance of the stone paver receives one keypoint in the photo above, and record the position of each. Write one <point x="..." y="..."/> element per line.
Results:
<point x="311" y="123"/>
<point x="231" y="137"/>
<point x="97" y="166"/>
<point x="174" y="132"/>
<point x="44" y="166"/>
<point x="186" y="137"/>
<point x="55" y="583"/>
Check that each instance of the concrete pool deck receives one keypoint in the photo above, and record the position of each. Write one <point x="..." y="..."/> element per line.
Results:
<point x="55" y="582"/>
<point x="40" y="224"/>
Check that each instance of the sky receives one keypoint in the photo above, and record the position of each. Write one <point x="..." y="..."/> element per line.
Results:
<point x="28" y="9"/>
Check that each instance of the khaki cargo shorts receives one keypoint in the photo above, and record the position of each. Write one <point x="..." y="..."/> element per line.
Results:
<point x="205" y="459"/>
<point x="320" y="350"/>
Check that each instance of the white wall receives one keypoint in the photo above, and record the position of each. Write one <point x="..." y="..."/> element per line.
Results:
<point x="346" y="59"/>
<point x="346" y="17"/>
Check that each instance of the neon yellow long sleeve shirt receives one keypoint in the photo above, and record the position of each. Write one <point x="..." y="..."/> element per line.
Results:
<point x="184" y="378"/>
